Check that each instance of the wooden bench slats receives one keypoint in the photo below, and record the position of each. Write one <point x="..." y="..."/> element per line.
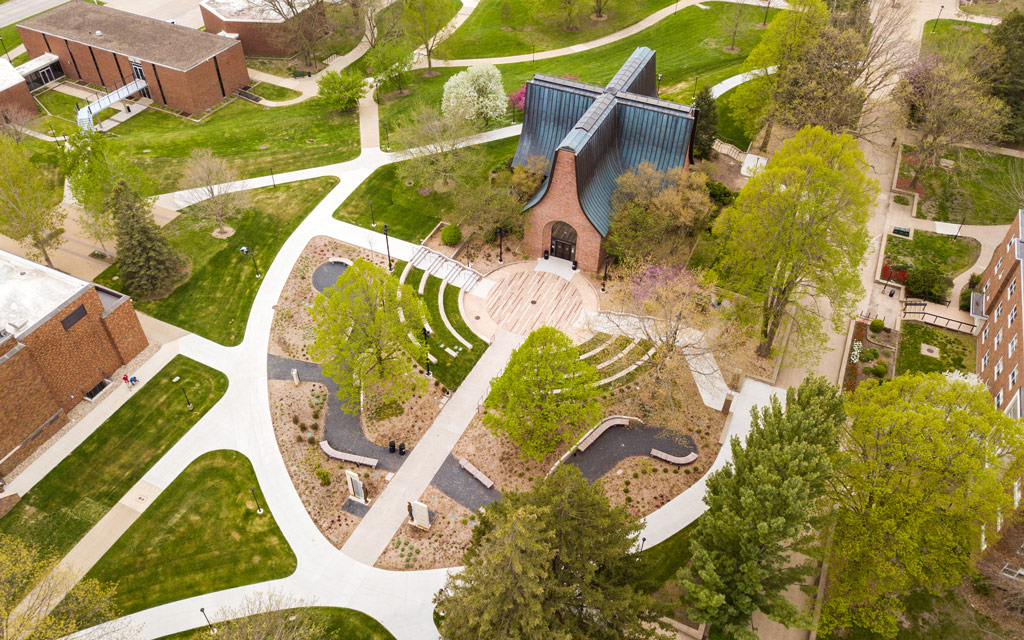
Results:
<point x="347" y="457"/>
<point x="476" y="473"/>
<point x="689" y="458"/>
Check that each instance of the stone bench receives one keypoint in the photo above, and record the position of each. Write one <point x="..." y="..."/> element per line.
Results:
<point x="689" y="458"/>
<point x="476" y="473"/>
<point x="596" y="433"/>
<point x="347" y="457"/>
<point x="339" y="260"/>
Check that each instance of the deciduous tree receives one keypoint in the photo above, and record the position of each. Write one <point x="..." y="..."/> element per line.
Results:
<point x="303" y="23"/>
<point x="382" y="25"/>
<point x="568" y="13"/>
<point x="546" y="396"/>
<point x="927" y="461"/>
<point x="1008" y="35"/>
<point x="425" y="22"/>
<point x="270" y="616"/>
<point x="475" y="93"/>
<point x="760" y="510"/>
<point x="30" y="211"/>
<point x="797" y="234"/>
<point x="207" y="183"/>
<point x="14" y="120"/>
<point x="340" y="91"/>
<point x="390" y="61"/>
<point x="363" y="342"/>
<point x="436" y="153"/>
<point x="553" y="562"/>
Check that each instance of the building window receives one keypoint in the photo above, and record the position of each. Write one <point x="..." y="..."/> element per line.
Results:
<point x="1013" y="346"/>
<point x="999" y="265"/>
<point x="984" y="334"/>
<point x="72" y="318"/>
<point x="1013" y="378"/>
<point x="984" y="361"/>
<point x="1013" y="316"/>
<point x="1009" y="245"/>
<point x="999" y="399"/>
<point x="1013" y="286"/>
<point x="999" y="310"/>
<point x="998" y="369"/>
<point x="985" y="288"/>
<point x="999" y="338"/>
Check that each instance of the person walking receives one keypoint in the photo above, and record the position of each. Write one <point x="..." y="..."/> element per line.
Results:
<point x="127" y="382"/>
<point x="133" y="380"/>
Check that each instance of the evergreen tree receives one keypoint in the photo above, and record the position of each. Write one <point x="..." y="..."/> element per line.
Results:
<point x="553" y="562"/>
<point x="147" y="263"/>
<point x="760" y="508"/>
<point x="707" y="124"/>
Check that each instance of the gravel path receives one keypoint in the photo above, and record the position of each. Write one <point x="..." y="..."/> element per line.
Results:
<point x="327" y="274"/>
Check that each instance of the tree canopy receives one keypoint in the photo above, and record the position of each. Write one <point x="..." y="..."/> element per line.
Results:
<point x="148" y="266"/>
<point x="30" y="212"/>
<point x="475" y="93"/>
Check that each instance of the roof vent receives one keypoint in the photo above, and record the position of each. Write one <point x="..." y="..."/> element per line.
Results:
<point x="99" y="34"/>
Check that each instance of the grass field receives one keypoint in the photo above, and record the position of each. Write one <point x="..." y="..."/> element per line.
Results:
<point x="340" y="624"/>
<point x="75" y="495"/>
<point x="956" y="350"/>
<point x="952" y="256"/>
<point x="729" y="129"/>
<point x="53" y="126"/>
<point x="488" y="33"/>
<point x="252" y="138"/>
<point x="690" y="43"/>
<point x="202" y="534"/>
<point x="948" y="31"/>
<point x="215" y="300"/>
<point x="64" y="106"/>
<point x="409" y="215"/>
<point x="274" y="92"/>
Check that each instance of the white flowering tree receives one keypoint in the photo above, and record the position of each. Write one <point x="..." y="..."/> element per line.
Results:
<point x="475" y="93"/>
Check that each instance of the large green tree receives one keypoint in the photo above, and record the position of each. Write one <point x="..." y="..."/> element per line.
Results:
<point x="30" y="212"/>
<point x="425" y="23"/>
<point x="707" y="123"/>
<point x="760" y="510"/>
<point x="796" y="236"/>
<point x="362" y="339"/>
<point x="546" y="396"/>
<point x="553" y="562"/>
<point x="1008" y="35"/>
<point x="927" y="461"/>
<point x="148" y="266"/>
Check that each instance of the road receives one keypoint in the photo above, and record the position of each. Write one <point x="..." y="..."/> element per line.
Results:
<point x="184" y="12"/>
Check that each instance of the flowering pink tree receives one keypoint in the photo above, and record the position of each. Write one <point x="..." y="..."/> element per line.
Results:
<point x="518" y="98"/>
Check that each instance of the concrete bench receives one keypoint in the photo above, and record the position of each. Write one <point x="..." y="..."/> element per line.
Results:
<point x="689" y="458"/>
<point x="347" y="457"/>
<point x="476" y="473"/>
<point x="601" y="428"/>
<point x="339" y="260"/>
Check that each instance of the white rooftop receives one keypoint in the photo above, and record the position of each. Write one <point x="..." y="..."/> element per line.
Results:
<point x="29" y="292"/>
<point x="35" y="64"/>
<point x="8" y="76"/>
<point x="240" y="10"/>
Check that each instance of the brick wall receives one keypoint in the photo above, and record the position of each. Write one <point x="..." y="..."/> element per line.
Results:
<point x="1001" y="284"/>
<point x="257" y="38"/>
<point x="17" y="99"/>
<point x="125" y="331"/>
<point x="26" y="404"/>
<point x="561" y="204"/>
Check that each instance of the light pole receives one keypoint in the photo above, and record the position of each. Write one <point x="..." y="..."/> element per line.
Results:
<point x="428" y="368"/>
<point x="273" y="181"/>
<point x="426" y="334"/>
<point x="958" y="229"/>
<point x="188" y="403"/>
<point x="607" y="261"/>
<point x="6" y="52"/>
<point x="501" y="242"/>
<point x="936" y="23"/>
<point x="373" y="222"/>
<point x="252" y="254"/>
<point x="642" y="541"/>
<point x="766" y="7"/>
<point x="387" y="138"/>
<point x="259" y="509"/>
<point x="388" y="245"/>
<point x="695" y="81"/>
<point x="202" y="610"/>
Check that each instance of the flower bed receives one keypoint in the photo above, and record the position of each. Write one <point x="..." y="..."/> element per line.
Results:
<point x="872" y="355"/>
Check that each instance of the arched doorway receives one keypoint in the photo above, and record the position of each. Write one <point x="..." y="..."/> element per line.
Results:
<point x="563" y="241"/>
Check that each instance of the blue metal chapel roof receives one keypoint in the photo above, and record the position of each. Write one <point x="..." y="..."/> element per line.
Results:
<point x="610" y="130"/>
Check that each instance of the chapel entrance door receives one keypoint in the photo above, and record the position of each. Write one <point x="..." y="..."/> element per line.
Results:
<point x="563" y="241"/>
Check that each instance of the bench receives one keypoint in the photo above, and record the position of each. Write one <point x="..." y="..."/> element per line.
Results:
<point x="689" y="458"/>
<point x="476" y="473"/>
<point x="901" y="231"/>
<point x="601" y="428"/>
<point x="339" y="260"/>
<point x="347" y="457"/>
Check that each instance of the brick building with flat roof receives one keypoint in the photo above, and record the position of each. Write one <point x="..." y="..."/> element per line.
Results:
<point x="262" y="32"/>
<point x="185" y="69"/>
<point x="61" y="339"/>
<point x="14" y="94"/>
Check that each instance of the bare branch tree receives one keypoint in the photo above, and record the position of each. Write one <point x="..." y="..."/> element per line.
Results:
<point x="13" y="122"/>
<point x="304" y="23"/>
<point x="436" y="153"/>
<point x="270" y="616"/>
<point x="381" y="25"/>
<point x="425" y="23"/>
<point x="206" y="182"/>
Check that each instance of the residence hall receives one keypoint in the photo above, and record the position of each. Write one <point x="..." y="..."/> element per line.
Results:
<point x="261" y="31"/>
<point x="61" y="340"/>
<point x="185" y="69"/>
<point x="997" y="308"/>
<point x="589" y="136"/>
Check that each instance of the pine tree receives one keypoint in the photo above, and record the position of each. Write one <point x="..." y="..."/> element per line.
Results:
<point x="147" y="263"/>
<point x="760" y="510"/>
<point x="553" y="562"/>
<point x="707" y="124"/>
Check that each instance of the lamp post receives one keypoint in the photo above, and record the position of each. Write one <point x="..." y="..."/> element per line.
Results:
<point x="958" y="229"/>
<point x="426" y="334"/>
<point x="936" y="23"/>
<point x="607" y="261"/>
<point x="766" y="7"/>
<point x="273" y="181"/>
<point x="695" y="81"/>
<point x="202" y="610"/>
<point x="642" y="541"/>
<point x="373" y="221"/>
<point x="388" y="245"/>
<point x="387" y="138"/>
<point x="659" y="85"/>
<point x="6" y="52"/>
<point x="259" y="509"/>
<point x="428" y="368"/>
<point x="188" y="403"/>
<point x="252" y="254"/>
<point x="501" y="243"/>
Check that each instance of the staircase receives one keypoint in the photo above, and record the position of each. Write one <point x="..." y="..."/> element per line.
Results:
<point x="86" y="113"/>
<point x="441" y="266"/>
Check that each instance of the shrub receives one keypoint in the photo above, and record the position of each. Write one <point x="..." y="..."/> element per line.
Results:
<point x="974" y="281"/>
<point x="323" y="476"/>
<point x="451" y="235"/>
<point x="927" y="282"/>
<point x="868" y="355"/>
<point x="880" y="369"/>
<point x="316" y="414"/>
<point x="299" y="437"/>
<point x="340" y="91"/>
<point x="877" y="325"/>
<point x="720" y="194"/>
<point x="295" y="419"/>
<point x="901" y="199"/>
<point x="965" y="299"/>
<point x="311" y="440"/>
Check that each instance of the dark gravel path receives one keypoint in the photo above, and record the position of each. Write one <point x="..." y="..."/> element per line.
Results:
<point x="341" y="430"/>
<point x="615" y="445"/>
<point x="327" y="274"/>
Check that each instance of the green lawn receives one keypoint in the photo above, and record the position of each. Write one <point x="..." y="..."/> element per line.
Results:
<point x="729" y="130"/>
<point x="280" y="67"/>
<point x="64" y="106"/>
<point x="274" y="92"/>
<point x="295" y="137"/>
<point x="951" y="255"/>
<point x="975" y="190"/>
<point x="998" y="8"/>
<point x="688" y="44"/>
<point x="340" y="624"/>
<point x="947" y="31"/>
<point x="934" y="618"/>
<point x="64" y="505"/>
<point x="202" y="534"/>
<point x="409" y="215"/>
<point x="20" y="59"/>
<point x="487" y="34"/>
<point x="53" y="126"/>
<point x="956" y="350"/>
<point x="214" y="301"/>
<point x="663" y="561"/>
